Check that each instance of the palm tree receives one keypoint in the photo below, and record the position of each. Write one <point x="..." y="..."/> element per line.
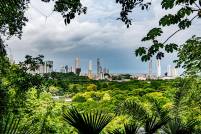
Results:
<point x="150" y="123"/>
<point x="176" y="126"/>
<point x="86" y="123"/>
<point x="128" y="129"/>
<point x="12" y="125"/>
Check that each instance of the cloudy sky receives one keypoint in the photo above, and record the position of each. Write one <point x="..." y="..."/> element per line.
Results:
<point x="95" y="35"/>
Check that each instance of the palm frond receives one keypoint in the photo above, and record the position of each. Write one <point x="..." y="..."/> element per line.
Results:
<point x="152" y="124"/>
<point x="116" y="131"/>
<point x="175" y="126"/>
<point x="90" y="123"/>
<point x="131" y="128"/>
<point x="128" y="129"/>
<point x="133" y="109"/>
<point x="12" y="125"/>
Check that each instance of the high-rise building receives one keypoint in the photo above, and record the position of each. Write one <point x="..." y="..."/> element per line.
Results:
<point x="98" y="67"/>
<point x="90" y="70"/>
<point x="158" y="68"/>
<point x="11" y="59"/>
<point x="71" y="69"/>
<point x="77" y="66"/>
<point x="66" y="69"/>
<point x="150" y="68"/>
<point x="77" y="62"/>
<point x="169" y="70"/>
<point x="174" y="72"/>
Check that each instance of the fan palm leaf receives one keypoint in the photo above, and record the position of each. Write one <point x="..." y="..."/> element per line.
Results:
<point x="175" y="126"/>
<point x="87" y="123"/>
<point x="128" y="129"/>
<point x="133" y="109"/>
<point x="153" y="123"/>
<point x="12" y="126"/>
<point x="131" y="128"/>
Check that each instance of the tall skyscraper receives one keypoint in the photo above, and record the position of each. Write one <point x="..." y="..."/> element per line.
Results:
<point x="150" y="68"/>
<point x="90" y="70"/>
<point x="66" y="69"/>
<point x="158" y="68"/>
<point x="77" y="62"/>
<point x="169" y="70"/>
<point x="71" y="69"/>
<point x="77" y="66"/>
<point x="174" y="72"/>
<point x="98" y="67"/>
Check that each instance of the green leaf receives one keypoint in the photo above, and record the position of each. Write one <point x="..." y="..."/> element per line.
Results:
<point x="90" y="123"/>
<point x="184" y="11"/>
<point x="140" y="51"/>
<point x="171" y="47"/>
<point x="169" y="20"/>
<point x="152" y="34"/>
<point x="184" y="24"/>
<point x="167" y="4"/>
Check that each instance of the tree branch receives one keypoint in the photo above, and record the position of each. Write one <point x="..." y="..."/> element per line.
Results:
<point x="177" y="31"/>
<point x="197" y="5"/>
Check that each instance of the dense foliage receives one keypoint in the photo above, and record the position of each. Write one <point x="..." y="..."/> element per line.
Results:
<point x="67" y="103"/>
<point x="43" y="104"/>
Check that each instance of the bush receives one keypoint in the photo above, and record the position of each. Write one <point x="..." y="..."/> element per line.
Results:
<point x="91" y="87"/>
<point x="79" y="98"/>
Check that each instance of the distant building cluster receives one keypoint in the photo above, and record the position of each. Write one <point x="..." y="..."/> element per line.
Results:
<point x="171" y="73"/>
<point x="101" y="72"/>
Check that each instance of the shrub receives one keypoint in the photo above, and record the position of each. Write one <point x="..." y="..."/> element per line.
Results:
<point x="79" y="98"/>
<point x="91" y="87"/>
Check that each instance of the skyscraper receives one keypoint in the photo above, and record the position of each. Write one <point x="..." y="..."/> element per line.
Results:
<point x="77" y="66"/>
<point x="169" y="70"/>
<point x="150" y="68"/>
<point x="77" y="62"/>
<point x="158" y="68"/>
<point x="90" y="70"/>
<point x="66" y="69"/>
<point x="98" y="67"/>
<point x="174" y="72"/>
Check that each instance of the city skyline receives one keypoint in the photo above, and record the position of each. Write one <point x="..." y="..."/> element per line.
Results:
<point x="153" y="67"/>
<point x="90" y="36"/>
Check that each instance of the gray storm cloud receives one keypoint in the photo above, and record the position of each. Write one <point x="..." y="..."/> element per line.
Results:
<point x="97" y="34"/>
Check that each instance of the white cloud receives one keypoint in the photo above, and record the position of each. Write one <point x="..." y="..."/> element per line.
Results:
<point x="98" y="31"/>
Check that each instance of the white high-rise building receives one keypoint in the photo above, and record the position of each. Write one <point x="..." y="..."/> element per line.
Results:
<point x="174" y="72"/>
<point x="77" y="62"/>
<point x="158" y="68"/>
<point x="90" y="70"/>
<point x="150" y="68"/>
<point x="169" y="73"/>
